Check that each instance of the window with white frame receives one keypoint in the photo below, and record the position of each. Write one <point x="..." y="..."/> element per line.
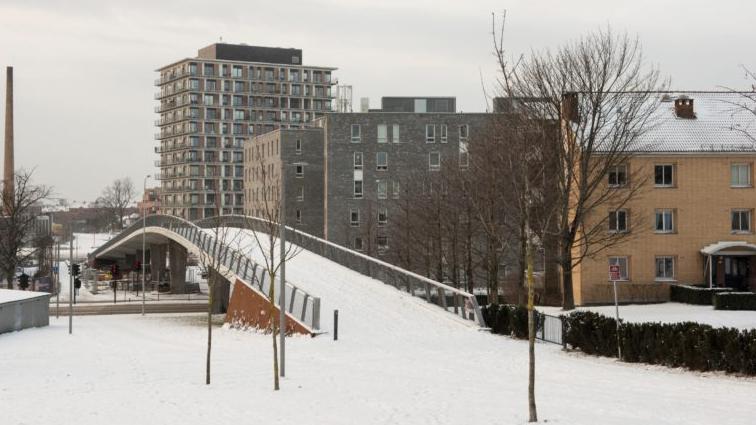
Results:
<point x="357" y="244"/>
<point x="618" y="222"/>
<point x="382" y="133"/>
<point x="300" y="170"/>
<point x="741" y="221"/>
<point x="740" y="175"/>
<point x="382" y="216"/>
<point x="623" y="266"/>
<point x="300" y="194"/>
<point x="665" y="268"/>
<point x="299" y="216"/>
<point x="464" y="132"/>
<point x="395" y="189"/>
<point x="443" y="133"/>
<point x="395" y="133"/>
<point x="358" y="160"/>
<point x="664" y="175"/>
<point x="430" y="133"/>
<point x="382" y="189"/>
<point x="664" y="221"/>
<point x="464" y="160"/>
<point x="382" y="242"/>
<point x="381" y="161"/>
<point x="354" y="217"/>
<point x="356" y="133"/>
<point x="434" y="160"/>
<point x="358" y="189"/>
<point x="618" y="175"/>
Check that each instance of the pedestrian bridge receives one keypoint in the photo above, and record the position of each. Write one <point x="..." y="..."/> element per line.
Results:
<point x="228" y="246"/>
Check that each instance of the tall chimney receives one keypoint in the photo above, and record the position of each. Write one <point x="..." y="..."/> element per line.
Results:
<point x="684" y="107"/>
<point x="8" y="179"/>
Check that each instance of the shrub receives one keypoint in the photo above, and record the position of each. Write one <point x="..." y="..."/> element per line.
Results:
<point x="694" y="294"/>
<point x="505" y="319"/>
<point x="691" y="345"/>
<point x="735" y="301"/>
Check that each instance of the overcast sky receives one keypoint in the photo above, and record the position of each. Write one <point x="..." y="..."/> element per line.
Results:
<point x="84" y="69"/>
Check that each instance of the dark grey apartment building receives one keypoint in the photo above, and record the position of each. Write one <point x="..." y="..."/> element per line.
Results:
<point x="349" y="175"/>
<point x="210" y="104"/>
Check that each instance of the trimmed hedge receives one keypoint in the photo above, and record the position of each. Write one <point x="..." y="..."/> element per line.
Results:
<point x="694" y="294"/>
<point x="690" y="345"/>
<point x="735" y="301"/>
<point x="505" y="319"/>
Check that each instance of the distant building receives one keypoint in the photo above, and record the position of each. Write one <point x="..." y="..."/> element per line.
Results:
<point x="692" y="221"/>
<point x="210" y="104"/>
<point x="150" y="202"/>
<point x="343" y="177"/>
<point x="418" y="104"/>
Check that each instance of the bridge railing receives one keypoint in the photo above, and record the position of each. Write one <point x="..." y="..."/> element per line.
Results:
<point x="300" y="304"/>
<point x="453" y="300"/>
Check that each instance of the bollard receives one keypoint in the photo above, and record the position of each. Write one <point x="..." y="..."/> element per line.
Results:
<point x="336" y="325"/>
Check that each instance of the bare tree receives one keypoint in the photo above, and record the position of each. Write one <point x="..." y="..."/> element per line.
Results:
<point x="116" y="197"/>
<point x="268" y="173"/>
<point x="602" y="95"/>
<point x="210" y="266"/>
<point x="19" y="212"/>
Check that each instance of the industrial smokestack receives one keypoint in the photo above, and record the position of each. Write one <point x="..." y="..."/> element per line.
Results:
<point x="8" y="180"/>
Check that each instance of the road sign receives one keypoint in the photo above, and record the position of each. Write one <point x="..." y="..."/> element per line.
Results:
<point x="614" y="272"/>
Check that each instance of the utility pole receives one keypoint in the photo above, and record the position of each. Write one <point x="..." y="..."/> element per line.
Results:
<point x="57" y="281"/>
<point x="70" y="286"/>
<point x="144" y="229"/>
<point x="282" y="295"/>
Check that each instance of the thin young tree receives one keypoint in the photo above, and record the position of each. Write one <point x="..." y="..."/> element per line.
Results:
<point x="265" y="230"/>
<point x="603" y="95"/>
<point x="116" y="198"/>
<point x="210" y="266"/>
<point x="20" y="208"/>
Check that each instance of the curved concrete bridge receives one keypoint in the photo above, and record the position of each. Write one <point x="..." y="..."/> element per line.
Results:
<point x="243" y="298"/>
<point x="242" y="294"/>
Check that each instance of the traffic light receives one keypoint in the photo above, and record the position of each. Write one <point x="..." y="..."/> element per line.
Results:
<point x="77" y="283"/>
<point x="137" y="265"/>
<point x="115" y="271"/>
<point x="76" y="269"/>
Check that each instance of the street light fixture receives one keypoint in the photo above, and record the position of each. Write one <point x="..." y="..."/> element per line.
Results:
<point x="144" y="231"/>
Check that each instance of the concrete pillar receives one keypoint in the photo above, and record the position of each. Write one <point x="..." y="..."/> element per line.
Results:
<point x="221" y="293"/>
<point x="177" y="260"/>
<point x="157" y="261"/>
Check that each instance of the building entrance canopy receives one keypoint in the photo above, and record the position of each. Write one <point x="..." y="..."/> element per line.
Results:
<point x="729" y="248"/>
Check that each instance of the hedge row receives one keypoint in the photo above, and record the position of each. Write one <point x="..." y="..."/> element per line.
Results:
<point x="690" y="345"/>
<point x="735" y="301"/>
<point x="505" y="319"/>
<point x="694" y="294"/>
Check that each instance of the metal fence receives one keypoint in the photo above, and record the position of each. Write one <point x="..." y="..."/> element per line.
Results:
<point x="452" y="300"/>
<point x="550" y="329"/>
<point x="300" y="304"/>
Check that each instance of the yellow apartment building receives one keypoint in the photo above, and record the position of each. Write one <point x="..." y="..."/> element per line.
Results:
<point x="692" y="220"/>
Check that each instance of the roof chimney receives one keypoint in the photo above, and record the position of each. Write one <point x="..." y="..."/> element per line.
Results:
<point x="684" y="108"/>
<point x="570" y="106"/>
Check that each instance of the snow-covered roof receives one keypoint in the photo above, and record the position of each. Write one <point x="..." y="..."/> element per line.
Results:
<point x="724" y="122"/>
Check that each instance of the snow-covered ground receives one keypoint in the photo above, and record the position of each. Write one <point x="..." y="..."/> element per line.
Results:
<point x="398" y="361"/>
<point x="672" y="313"/>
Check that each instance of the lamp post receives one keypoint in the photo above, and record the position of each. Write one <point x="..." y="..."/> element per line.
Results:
<point x="144" y="231"/>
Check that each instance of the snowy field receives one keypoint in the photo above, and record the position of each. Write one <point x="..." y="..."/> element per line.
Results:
<point x="398" y="361"/>
<point x="672" y="313"/>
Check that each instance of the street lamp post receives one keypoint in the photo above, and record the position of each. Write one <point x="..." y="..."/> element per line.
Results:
<point x="144" y="231"/>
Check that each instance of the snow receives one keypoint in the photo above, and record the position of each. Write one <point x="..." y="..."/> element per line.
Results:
<point x="671" y="313"/>
<point x="398" y="360"/>
<point x="11" y="295"/>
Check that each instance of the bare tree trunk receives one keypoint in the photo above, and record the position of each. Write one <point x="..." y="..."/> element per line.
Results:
<point x="273" y="316"/>
<point x="568" y="299"/>
<point x="533" y="415"/>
